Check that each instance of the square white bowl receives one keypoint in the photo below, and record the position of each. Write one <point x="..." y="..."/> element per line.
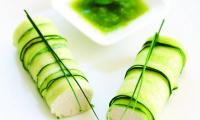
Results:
<point x="157" y="10"/>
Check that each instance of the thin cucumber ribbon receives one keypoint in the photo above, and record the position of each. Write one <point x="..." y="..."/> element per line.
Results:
<point x="61" y="65"/>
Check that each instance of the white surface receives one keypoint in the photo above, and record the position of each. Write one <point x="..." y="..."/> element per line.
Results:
<point x="157" y="9"/>
<point x="104" y="66"/>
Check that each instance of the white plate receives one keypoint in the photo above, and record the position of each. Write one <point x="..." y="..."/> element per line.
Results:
<point x="104" y="66"/>
<point x="157" y="10"/>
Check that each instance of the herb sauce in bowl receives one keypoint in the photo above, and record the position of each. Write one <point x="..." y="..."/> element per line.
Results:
<point x="111" y="15"/>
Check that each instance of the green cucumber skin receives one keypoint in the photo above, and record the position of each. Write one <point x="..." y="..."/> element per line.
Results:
<point x="41" y="65"/>
<point x="123" y="100"/>
<point x="30" y="31"/>
<point x="38" y="50"/>
<point x="31" y="53"/>
<point x="160" y="79"/>
<point x="47" y="30"/>
<point x="45" y="74"/>
<point x="36" y="40"/>
<point x="50" y="69"/>
<point x="140" y="67"/>
<point x="149" y="94"/>
<point x="182" y="53"/>
<point x="162" y="61"/>
<point x="46" y="86"/>
<point x="52" y="77"/>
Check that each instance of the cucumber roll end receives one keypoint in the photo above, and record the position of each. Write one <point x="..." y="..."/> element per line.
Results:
<point x="65" y="105"/>
<point x="116" y="112"/>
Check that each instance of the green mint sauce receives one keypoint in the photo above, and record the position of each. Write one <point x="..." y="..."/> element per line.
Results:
<point x="110" y="17"/>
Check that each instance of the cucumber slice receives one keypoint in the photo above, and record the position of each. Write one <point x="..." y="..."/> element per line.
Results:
<point x="52" y="77"/>
<point x="46" y="58"/>
<point x="52" y="68"/>
<point x="56" y="86"/>
<point x="162" y="60"/>
<point x="140" y="112"/>
<point x="36" y="41"/>
<point x="25" y="26"/>
<point x="49" y="82"/>
<point x="48" y="29"/>
<point x="39" y="48"/>
<point x="61" y="101"/>
<point x="140" y="67"/>
<point x="159" y="81"/>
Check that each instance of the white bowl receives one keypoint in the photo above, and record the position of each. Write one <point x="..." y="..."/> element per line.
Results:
<point x="157" y="10"/>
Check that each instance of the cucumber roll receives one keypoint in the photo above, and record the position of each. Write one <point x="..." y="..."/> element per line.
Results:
<point x="159" y="80"/>
<point x="58" y="79"/>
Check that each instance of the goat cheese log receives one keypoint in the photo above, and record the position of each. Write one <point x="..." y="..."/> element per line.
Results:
<point x="53" y="85"/>
<point x="159" y="81"/>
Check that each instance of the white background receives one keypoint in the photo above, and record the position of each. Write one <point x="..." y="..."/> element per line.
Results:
<point x="104" y="66"/>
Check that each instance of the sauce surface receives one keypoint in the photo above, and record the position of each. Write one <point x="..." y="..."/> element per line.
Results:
<point x="108" y="18"/>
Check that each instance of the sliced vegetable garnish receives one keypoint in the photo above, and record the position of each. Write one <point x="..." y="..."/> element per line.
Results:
<point x="62" y="66"/>
<point x="140" y="81"/>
